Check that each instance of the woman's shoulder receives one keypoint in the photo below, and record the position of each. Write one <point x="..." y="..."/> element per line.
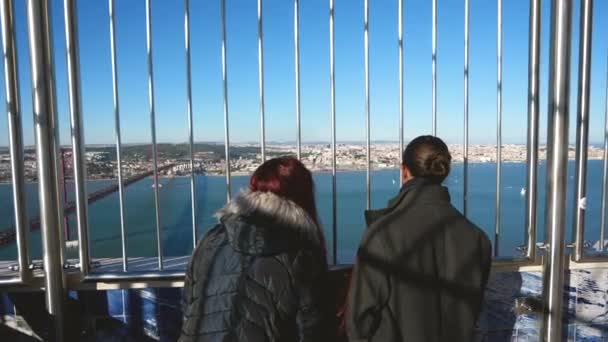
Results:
<point x="308" y="260"/>
<point x="214" y="237"/>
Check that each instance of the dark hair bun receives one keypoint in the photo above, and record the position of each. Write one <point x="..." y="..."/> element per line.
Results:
<point x="428" y="157"/>
<point x="439" y="167"/>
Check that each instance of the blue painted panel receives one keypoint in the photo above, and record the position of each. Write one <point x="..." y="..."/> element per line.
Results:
<point x="6" y="306"/>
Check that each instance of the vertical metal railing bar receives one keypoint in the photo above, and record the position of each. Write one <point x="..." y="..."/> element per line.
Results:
<point x="59" y="176"/>
<point x="296" y="40"/>
<point x="193" y="192"/>
<point x="261" y="79"/>
<point x="465" y="152"/>
<point x="59" y="179"/>
<point x="225" y="104"/>
<point x="15" y="132"/>
<point x="533" y="127"/>
<point x="159" y="235"/>
<point x="47" y="147"/>
<point x="498" y="128"/>
<point x="557" y="161"/>
<point x="332" y="91"/>
<point x="605" y="168"/>
<point x="78" y="146"/>
<point x="582" y="125"/>
<point x="401" y="84"/>
<point x="121" y="189"/>
<point x="434" y="65"/>
<point x="368" y="192"/>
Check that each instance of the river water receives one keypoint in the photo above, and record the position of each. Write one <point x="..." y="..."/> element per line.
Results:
<point x="176" y="211"/>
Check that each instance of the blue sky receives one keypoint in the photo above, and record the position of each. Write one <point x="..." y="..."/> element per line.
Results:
<point x="170" y="81"/>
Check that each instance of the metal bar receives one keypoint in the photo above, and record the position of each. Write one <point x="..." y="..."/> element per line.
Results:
<point x="368" y="191"/>
<point x="64" y="188"/>
<point x="605" y="170"/>
<point x="593" y="261"/>
<point x="261" y="79"/>
<point x="78" y="146"/>
<point x="118" y="285"/>
<point x="516" y="265"/>
<point x="159" y="234"/>
<point x="134" y="275"/>
<point x="166" y="275"/>
<point x="465" y="152"/>
<point x="557" y="161"/>
<point x="11" y="281"/>
<point x="47" y="147"/>
<point x="332" y="91"/>
<point x="60" y="204"/>
<point x="296" y="39"/>
<point x="121" y="190"/>
<point x="193" y="192"/>
<point x="582" y="125"/>
<point x="401" y="69"/>
<point x="434" y="65"/>
<point x="498" y="129"/>
<point x="533" y="118"/>
<point x="13" y="108"/>
<point x="226" y="122"/>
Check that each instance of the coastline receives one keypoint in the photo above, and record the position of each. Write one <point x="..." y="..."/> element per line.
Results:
<point x="101" y="164"/>
<point x="313" y="170"/>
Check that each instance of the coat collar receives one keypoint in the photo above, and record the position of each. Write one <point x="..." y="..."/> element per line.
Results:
<point x="264" y="223"/>
<point x="419" y="189"/>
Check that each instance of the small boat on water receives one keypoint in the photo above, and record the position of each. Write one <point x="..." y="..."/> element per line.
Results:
<point x="582" y="203"/>
<point x="523" y="192"/>
<point x="159" y="185"/>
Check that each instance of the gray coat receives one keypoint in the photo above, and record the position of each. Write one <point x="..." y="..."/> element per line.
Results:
<point x="259" y="275"/>
<point x="421" y="271"/>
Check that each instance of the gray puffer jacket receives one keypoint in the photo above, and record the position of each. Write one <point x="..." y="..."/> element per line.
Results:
<point x="259" y="275"/>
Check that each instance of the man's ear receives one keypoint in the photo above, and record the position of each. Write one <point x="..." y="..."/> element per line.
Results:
<point x="406" y="174"/>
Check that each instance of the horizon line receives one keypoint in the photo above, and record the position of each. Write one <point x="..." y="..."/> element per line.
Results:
<point x="312" y="142"/>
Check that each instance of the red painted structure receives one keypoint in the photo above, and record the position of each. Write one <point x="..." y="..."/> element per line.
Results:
<point x="8" y="235"/>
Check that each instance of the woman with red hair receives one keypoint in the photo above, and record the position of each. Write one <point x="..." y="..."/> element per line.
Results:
<point x="261" y="273"/>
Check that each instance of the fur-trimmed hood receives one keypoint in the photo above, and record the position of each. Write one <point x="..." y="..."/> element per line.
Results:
<point x="264" y="223"/>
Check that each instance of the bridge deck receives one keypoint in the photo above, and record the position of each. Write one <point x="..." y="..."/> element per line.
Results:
<point x="7" y="235"/>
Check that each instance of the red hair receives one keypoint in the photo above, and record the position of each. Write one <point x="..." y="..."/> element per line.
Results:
<point x="287" y="177"/>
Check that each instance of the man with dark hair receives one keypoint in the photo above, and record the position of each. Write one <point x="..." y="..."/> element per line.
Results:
<point x="422" y="267"/>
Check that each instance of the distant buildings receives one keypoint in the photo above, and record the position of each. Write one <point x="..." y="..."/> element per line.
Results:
<point x="101" y="163"/>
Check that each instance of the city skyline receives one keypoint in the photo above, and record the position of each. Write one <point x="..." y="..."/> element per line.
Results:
<point x="170" y="81"/>
<point x="173" y="159"/>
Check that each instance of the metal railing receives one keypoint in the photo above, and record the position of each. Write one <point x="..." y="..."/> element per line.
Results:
<point x="498" y="207"/>
<point x="47" y="148"/>
<point x="533" y="127"/>
<point x="13" y="108"/>
<point x="434" y="64"/>
<point x="332" y="91"/>
<point x="582" y="133"/>
<point x="226" y="116"/>
<point x="44" y="100"/>
<point x="465" y="152"/>
<point x="557" y="159"/>
<point x="121" y="190"/>
<point x="78" y="147"/>
<point x="193" y="192"/>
